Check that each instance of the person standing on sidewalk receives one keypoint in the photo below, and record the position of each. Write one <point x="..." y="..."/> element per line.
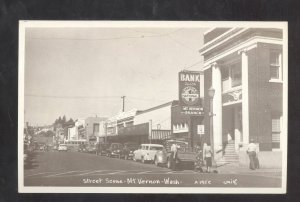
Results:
<point x="252" y="151"/>
<point x="173" y="156"/>
<point x="207" y="154"/>
<point x="199" y="160"/>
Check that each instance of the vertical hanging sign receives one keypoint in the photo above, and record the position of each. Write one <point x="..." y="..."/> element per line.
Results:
<point x="189" y="93"/>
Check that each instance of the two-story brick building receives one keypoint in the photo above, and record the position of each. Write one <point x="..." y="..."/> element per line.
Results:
<point x="245" y="67"/>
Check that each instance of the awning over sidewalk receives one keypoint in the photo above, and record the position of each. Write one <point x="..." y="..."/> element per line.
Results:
<point x="160" y="134"/>
<point x="140" y="129"/>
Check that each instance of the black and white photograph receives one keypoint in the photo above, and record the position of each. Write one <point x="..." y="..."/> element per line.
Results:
<point x="152" y="107"/>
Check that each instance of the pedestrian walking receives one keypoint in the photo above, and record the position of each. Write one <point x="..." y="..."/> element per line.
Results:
<point x="252" y="152"/>
<point x="207" y="154"/>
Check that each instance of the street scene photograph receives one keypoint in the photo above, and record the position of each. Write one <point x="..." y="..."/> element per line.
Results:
<point x="152" y="107"/>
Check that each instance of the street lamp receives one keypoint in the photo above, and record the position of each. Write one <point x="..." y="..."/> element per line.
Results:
<point x="211" y="93"/>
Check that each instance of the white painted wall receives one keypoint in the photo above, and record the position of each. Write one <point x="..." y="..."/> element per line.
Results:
<point x="73" y="135"/>
<point x="160" y="116"/>
<point x="102" y="129"/>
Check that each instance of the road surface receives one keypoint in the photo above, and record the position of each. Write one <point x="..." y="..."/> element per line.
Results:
<point x="82" y="169"/>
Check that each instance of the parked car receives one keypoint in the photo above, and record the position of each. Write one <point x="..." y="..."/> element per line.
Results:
<point x="82" y="148"/>
<point x="102" y="148"/>
<point x="42" y="147"/>
<point x="62" y="147"/>
<point x="115" y="149"/>
<point x="146" y="152"/>
<point x="128" y="149"/>
<point x="91" y="148"/>
<point x="185" y="154"/>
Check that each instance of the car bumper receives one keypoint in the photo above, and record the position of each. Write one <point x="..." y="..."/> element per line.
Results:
<point x="115" y="154"/>
<point x="148" y="158"/>
<point x="161" y="160"/>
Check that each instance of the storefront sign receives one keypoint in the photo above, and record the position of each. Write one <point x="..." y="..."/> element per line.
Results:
<point x="189" y="93"/>
<point x="200" y="129"/>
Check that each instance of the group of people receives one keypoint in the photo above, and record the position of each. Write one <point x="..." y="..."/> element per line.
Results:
<point x="204" y="157"/>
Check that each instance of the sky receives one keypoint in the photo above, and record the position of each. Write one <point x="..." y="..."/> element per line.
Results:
<point x="82" y="72"/>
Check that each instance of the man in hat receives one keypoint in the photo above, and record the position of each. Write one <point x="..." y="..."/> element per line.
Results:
<point x="252" y="151"/>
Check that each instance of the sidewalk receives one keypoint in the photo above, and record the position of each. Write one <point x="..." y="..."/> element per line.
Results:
<point x="234" y="168"/>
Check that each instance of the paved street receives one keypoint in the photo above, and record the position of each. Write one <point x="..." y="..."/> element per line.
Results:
<point x="82" y="169"/>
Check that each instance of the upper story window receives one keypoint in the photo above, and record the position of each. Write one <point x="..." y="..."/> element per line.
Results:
<point x="236" y="75"/>
<point x="225" y="79"/>
<point x="231" y="75"/>
<point x="96" y="128"/>
<point x="275" y="65"/>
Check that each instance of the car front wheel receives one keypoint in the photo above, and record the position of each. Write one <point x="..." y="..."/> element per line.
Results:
<point x="133" y="158"/>
<point x="156" y="162"/>
<point x="143" y="160"/>
<point x="169" y="163"/>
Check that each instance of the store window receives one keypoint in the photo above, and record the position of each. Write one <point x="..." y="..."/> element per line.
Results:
<point x="276" y="131"/>
<point x="275" y="65"/>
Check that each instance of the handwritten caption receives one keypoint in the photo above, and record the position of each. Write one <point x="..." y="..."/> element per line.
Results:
<point x="164" y="181"/>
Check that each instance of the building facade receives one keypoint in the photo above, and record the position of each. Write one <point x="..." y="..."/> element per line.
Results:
<point x="186" y="127"/>
<point x="92" y="127"/>
<point x="245" y="68"/>
<point x="115" y="124"/>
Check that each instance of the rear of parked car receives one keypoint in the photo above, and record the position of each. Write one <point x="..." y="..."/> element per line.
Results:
<point x="62" y="147"/>
<point x="128" y="149"/>
<point x="115" y="150"/>
<point x="102" y="149"/>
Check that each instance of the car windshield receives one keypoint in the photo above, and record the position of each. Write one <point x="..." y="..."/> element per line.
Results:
<point x="156" y="148"/>
<point x="182" y="146"/>
<point x="116" y="146"/>
<point x="132" y="145"/>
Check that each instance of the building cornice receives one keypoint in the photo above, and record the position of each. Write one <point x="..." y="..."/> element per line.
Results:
<point x="226" y="36"/>
<point x="244" y="46"/>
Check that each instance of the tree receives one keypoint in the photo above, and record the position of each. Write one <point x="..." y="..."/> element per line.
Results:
<point x="64" y="119"/>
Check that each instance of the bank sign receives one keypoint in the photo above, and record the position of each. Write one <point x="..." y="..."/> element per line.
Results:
<point x="189" y="93"/>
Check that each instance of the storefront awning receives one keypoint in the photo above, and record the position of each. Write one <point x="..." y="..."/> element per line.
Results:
<point x="160" y="134"/>
<point x="140" y="129"/>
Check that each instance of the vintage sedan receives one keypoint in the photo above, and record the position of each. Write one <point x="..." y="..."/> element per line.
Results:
<point x="114" y="150"/>
<point x="146" y="152"/>
<point x="102" y="149"/>
<point x="62" y="147"/>
<point x="128" y="149"/>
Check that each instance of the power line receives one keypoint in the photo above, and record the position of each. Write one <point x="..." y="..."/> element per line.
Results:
<point x="109" y="38"/>
<point x="149" y="100"/>
<point x="181" y="44"/>
<point x="194" y="64"/>
<point x="71" y="97"/>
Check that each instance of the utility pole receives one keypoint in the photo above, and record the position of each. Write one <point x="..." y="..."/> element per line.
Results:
<point x="123" y="98"/>
<point x="105" y="128"/>
<point x="150" y="130"/>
